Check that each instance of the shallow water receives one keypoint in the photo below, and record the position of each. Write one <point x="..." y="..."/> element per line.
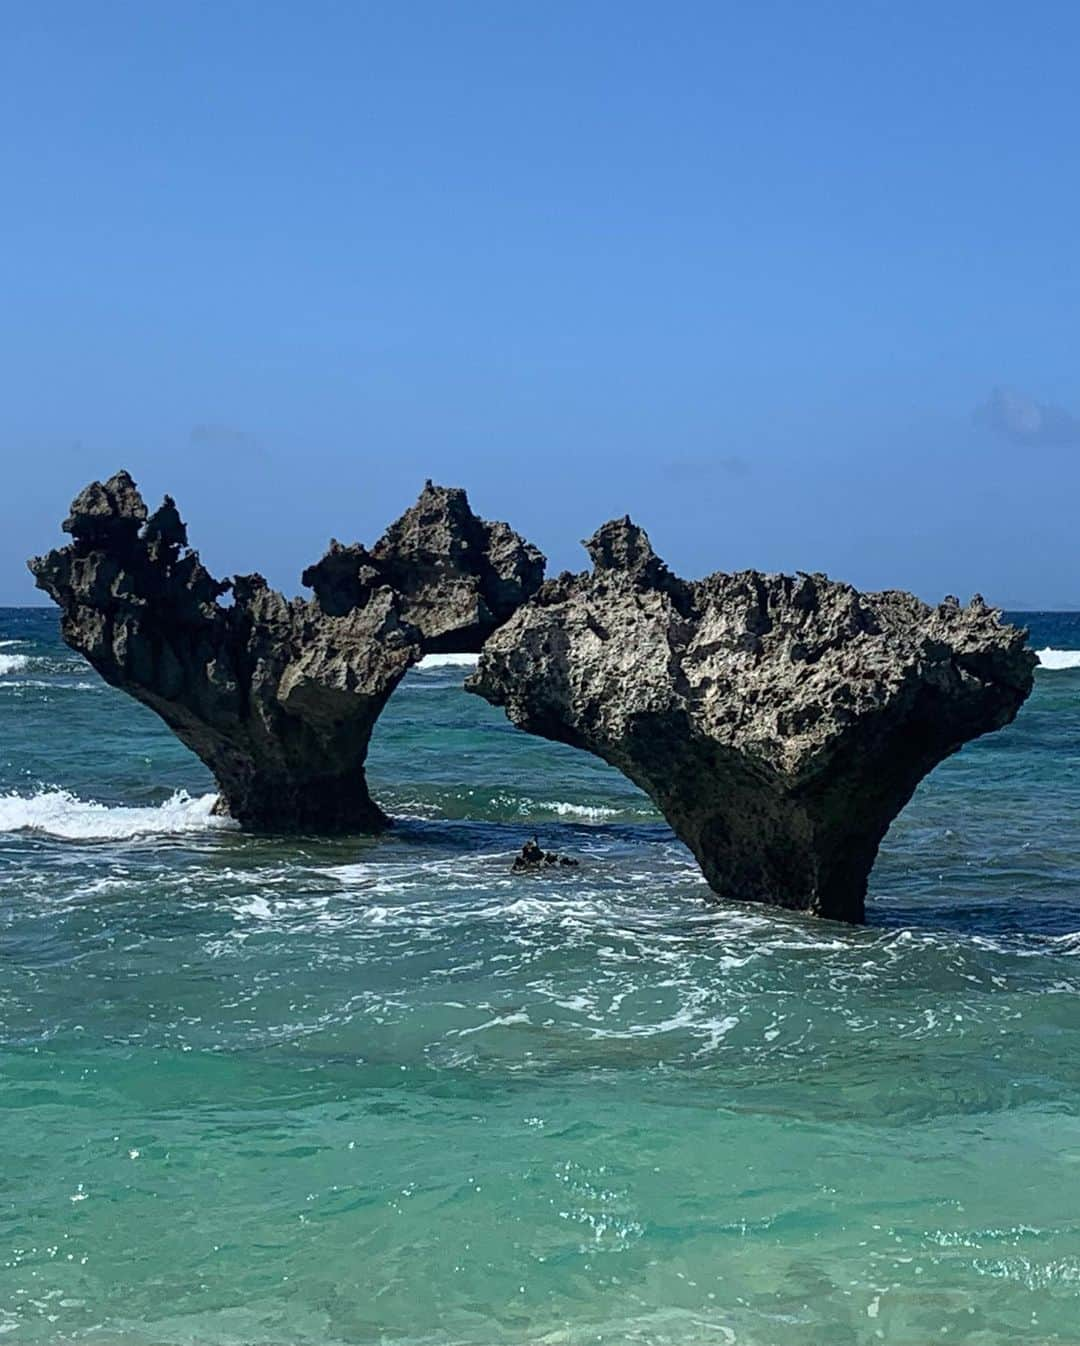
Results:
<point x="280" y="1091"/>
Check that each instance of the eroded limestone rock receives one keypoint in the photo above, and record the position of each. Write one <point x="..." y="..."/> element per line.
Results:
<point x="279" y="697"/>
<point x="779" y="723"/>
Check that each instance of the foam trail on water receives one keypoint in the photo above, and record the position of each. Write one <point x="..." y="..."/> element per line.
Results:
<point x="44" y="686"/>
<point x="13" y="663"/>
<point x="1051" y="658"/>
<point x="58" y="813"/>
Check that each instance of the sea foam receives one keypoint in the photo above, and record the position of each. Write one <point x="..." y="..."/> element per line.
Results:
<point x="41" y="685"/>
<point x="1051" y="658"/>
<point x="590" y="812"/>
<point x="13" y="663"/>
<point x="58" y="813"/>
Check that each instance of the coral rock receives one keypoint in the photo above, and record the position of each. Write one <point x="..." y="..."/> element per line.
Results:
<point x="779" y="723"/>
<point x="279" y="697"/>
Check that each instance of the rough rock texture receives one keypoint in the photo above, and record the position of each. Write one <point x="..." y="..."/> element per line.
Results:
<point x="279" y="697"/>
<point x="780" y="723"/>
<point x="457" y="577"/>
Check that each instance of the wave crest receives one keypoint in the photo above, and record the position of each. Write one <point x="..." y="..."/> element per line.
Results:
<point x="590" y="812"/>
<point x="1051" y="658"/>
<point x="59" y="813"/>
<point x="13" y="663"/>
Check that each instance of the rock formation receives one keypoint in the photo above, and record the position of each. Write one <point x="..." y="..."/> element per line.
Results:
<point x="533" y="859"/>
<point x="779" y="723"/>
<point x="279" y="697"/>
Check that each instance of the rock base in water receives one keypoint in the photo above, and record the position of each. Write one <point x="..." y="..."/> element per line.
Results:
<point x="279" y="697"/>
<point x="779" y="723"/>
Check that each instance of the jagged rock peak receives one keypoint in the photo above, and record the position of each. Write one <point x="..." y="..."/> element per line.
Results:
<point x="779" y="722"/>
<point x="107" y="512"/>
<point x="620" y="544"/>
<point x="459" y="576"/>
<point x="165" y="528"/>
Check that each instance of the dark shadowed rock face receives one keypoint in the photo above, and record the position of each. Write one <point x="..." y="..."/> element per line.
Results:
<point x="279" y="697"/>
<point x="779" y="723"/>
<point x="457" y="577"/>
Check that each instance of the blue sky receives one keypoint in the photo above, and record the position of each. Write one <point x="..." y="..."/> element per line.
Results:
<point x="793" y="284"/>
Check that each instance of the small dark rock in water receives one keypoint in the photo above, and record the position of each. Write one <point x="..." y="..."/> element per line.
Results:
<point x="277" y="696"/>
<point x="779" y="722"/>
<point x="534" y="859"/>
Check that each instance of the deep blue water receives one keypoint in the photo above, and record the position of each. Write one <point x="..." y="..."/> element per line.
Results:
<point x="378" y="1090"/>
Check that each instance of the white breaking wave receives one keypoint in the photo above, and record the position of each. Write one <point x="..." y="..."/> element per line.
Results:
<point x="594" y="812"/>
<point x="1051" y="658"/>
<point x="13" y="663"/>
<point x="447" y="661"/>
<point x="58" y="813"/>
<point x="44" y="686"/>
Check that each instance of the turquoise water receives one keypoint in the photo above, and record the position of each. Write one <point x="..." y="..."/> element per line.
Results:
<point x="297" y="1091"/>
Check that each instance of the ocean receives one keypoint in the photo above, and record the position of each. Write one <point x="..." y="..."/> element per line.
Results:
<point x="288" y="1091"/>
